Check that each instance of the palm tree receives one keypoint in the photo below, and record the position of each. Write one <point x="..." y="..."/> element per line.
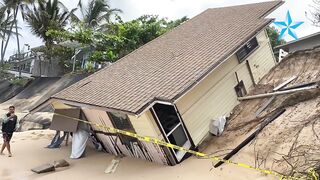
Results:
<point x="95" y="13"/>
<point x="13" y="6"/>
<point x="6" y="21"/>
<point x="51" y="14"/>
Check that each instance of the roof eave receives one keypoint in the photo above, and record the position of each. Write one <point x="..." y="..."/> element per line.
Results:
<point x="91" y="106"/>
<point x="295" y="41"/>
<point x="280" y="3"/>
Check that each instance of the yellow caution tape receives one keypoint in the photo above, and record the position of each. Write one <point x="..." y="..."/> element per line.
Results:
<point x="311" y="173"/>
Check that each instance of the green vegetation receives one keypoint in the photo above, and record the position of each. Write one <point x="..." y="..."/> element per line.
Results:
<point x="93" y="23"/>
<point x="96" y="14"/>
<point x="274" y="35"/>
<point x="19" y="81"/>
<point x="119" y="39"/>
<point x="47" y="15"/>
<point x="4" y="75"/>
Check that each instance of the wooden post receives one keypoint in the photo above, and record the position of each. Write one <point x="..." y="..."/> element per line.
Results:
<point x="67" y="138"/>
<point x="252" y="136"/>
<point x="280" y="86"/>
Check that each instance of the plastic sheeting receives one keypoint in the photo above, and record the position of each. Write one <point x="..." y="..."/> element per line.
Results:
<point x="217" y="126"/>
<point x="79" y="143"/>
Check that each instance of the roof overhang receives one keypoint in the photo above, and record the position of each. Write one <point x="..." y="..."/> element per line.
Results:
<point x="295" y="41"/>
<point x="90" y="106"/>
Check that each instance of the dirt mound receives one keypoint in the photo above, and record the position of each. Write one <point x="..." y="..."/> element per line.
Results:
<point x="290" y="144"/>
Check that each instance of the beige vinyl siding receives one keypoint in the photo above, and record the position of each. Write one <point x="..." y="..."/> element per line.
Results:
<point x="244" y="75"/>
<point x="215" y="95"/>
<point x="188" y="100"/>
<point x="262" y="60"/>
<point x="145" y="125"/>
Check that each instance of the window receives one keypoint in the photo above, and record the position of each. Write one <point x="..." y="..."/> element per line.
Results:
<point x="247" y="49"/>
<point x="122" y="121"/>
<point x="240" y="89"/>
<point x="171" y="125"/>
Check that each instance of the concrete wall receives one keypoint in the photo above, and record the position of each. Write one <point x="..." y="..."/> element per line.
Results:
<point x="215" y="95"/>
<point x="47" y="68"/>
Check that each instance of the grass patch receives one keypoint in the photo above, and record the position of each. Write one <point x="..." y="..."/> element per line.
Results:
<point x="19" y="81"/>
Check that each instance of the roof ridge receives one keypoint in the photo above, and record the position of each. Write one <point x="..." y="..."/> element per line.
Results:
<point x="247" y="4"/>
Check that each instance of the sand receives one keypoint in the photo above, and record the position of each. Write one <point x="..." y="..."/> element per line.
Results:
<point x="28" y="150"/>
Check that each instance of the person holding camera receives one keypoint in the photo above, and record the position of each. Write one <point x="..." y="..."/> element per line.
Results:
<point x="9" y="126"/>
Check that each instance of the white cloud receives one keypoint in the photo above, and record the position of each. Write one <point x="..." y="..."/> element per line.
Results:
<point x="174" y="9"/>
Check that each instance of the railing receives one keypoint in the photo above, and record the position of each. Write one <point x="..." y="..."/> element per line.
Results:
<point x="16" y="58"/>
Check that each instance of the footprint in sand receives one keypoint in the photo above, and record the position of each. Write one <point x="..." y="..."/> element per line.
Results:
<point x="5" y="173"/>
<point x="40" y="135"/>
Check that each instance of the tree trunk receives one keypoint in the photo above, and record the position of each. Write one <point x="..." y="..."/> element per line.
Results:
<point x="9" y="34"/>
<point x="2" y="47"/>
<point x="18" y="42"/>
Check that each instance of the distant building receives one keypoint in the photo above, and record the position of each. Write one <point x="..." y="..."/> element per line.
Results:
<point x="34" y="63"/>
<point x="307" y="42"/>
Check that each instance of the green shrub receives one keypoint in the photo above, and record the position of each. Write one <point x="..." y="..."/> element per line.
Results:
<point x="19" y="81"/>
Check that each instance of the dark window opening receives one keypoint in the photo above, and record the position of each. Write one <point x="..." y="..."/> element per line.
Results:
<point x="122" y="121"/>
<point x="247" y="49"/>
<point x="167" y="116"/>
<point x="171" y="124"/>
<point x="240" y="89"/>
<point x="178" y="136"/>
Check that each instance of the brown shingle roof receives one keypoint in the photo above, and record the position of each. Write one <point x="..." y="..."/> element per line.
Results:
<point x="168" y="66"/>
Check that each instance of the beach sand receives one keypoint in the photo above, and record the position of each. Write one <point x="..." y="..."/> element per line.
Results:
<point x="29" y="151"/>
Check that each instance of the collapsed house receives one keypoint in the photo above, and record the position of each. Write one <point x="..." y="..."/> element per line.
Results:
<point x="174" y="86"/>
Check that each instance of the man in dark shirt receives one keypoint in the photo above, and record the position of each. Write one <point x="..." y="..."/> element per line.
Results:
<point x="9" y="126"/>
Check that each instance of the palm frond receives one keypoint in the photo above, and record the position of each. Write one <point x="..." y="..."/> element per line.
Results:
<point x="97" y="12"/>
<point x="51" y="14"/>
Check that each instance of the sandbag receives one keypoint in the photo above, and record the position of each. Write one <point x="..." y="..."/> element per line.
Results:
<point x="60" y="163"/>
<point x="43" y="168"/>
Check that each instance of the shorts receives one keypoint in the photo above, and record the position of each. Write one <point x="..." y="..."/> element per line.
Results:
<point x="6" y="137"/>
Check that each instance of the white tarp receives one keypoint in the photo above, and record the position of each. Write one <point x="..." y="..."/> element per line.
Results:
<point x="217" y="126"/>
<point x="79" y="143"/>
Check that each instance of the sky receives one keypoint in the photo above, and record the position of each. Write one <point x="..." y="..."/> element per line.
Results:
<point x="174" y="9"/>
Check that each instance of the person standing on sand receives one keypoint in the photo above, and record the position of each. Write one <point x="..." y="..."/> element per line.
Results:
<point x="9" y="126"/>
